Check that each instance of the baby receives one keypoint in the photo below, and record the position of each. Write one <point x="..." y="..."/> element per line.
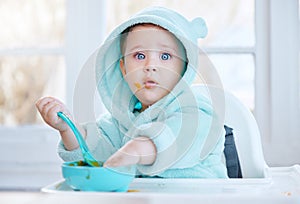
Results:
<point x="156" y="119"/>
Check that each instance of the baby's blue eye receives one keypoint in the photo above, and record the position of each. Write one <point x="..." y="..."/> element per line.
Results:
<point x="165" y="56"/>
<point x="140" y="56"/>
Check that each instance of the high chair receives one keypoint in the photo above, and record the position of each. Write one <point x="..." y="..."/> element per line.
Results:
<point x="245" y="130"/>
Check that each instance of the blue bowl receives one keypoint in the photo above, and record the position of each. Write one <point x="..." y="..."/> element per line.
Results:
<point x="87" y="178"/>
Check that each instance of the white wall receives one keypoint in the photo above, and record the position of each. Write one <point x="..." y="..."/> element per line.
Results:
<point x="277" y="91"/>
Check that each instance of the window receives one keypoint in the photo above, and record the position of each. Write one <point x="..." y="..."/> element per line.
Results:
<point x="32" y="62"/>
<point x="41" y="53"/>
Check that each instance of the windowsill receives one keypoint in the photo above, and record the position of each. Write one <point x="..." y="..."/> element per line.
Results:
<point x="30" y="158"/>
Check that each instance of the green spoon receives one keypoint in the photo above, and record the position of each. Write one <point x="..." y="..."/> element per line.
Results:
<point x="87" y="156"/>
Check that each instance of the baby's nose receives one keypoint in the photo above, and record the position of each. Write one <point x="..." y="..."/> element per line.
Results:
<point x="150" y="69"/>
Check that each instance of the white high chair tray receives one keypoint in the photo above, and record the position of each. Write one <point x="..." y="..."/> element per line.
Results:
<point x="281" y="181"/>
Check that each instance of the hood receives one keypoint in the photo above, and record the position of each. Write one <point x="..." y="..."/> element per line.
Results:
<point x="113" y="89"/>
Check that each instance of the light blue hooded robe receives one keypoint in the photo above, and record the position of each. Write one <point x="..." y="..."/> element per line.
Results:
<point x="188" y="135"/>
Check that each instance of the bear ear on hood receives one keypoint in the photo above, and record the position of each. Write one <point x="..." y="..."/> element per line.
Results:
<point x="199" y="27"/>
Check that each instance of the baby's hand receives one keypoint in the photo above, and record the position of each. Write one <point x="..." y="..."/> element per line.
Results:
<point x="140" y="150"/>
<point x="48" y="108"/>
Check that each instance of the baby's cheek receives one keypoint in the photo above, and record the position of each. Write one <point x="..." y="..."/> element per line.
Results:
<point x="138" y="85"/>
<point x="135" y="87"/>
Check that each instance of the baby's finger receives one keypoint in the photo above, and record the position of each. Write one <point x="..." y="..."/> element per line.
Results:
<point x="63" y="107"/>
<point x="52" y="111"/>
<point x="58" y="101"/>
<point x="54" y="119"/>
<point x="42" y="102"/>
<point x="113" y="161"/>
<point x="121" y="159"/>
<point x="48" y="106"/>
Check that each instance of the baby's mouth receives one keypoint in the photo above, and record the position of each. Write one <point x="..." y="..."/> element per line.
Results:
<point x="150" y="84"/>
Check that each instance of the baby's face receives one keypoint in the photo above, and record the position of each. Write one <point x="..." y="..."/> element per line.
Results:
<point x="153" y="62"/>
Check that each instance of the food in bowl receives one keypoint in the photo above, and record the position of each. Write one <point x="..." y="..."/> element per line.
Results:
<point x="78" y="163"/>
<point x="80" y="176"/>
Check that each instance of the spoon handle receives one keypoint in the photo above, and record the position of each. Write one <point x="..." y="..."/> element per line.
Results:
<point x="74" y="129"/>
<point x="85" y="151"/>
